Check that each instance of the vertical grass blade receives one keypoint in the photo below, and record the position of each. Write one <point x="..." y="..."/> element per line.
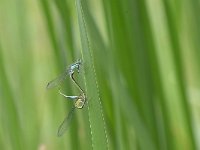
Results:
<point x="97" y="124"/>
<point x="177" y="56"/>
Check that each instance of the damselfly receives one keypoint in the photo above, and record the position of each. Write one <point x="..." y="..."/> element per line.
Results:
<point x="69" y="71"/>
<point x="79" y="102"/>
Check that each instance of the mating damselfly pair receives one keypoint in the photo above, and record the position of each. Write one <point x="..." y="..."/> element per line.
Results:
<point x="79" y="101"/>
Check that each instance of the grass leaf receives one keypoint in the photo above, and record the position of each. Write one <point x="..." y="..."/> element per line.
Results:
<point x="98" y="131"/>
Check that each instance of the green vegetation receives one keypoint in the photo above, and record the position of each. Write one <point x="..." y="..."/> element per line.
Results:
<point x="140" y="74"/>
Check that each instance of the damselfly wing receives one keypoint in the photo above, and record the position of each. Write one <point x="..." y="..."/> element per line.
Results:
<point x="69" y="71"/>
<point x="57" y="81"/>
<point x="65" y="124"/>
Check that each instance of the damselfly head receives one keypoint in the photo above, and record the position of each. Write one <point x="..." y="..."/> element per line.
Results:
<point x="80" y="102"/>
<point x="75" y="66"/>
<point x="79" y="61"/>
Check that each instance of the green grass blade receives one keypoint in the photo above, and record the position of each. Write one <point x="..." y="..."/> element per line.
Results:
<point x="97" y="123"/>
<point x="177" y="56"/>
<point x="11" y="127"/>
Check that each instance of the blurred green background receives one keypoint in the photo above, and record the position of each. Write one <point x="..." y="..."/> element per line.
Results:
<point x="140" y="72"/>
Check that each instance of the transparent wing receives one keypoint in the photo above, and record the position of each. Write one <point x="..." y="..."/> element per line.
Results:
<point x="65" y="124"/>
<point x="57" y="81"/>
